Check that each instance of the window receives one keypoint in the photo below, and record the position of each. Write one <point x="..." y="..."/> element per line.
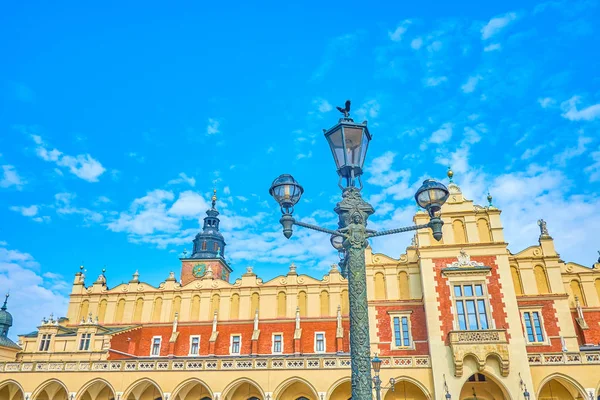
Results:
<point x="84" y="342"/>
<point x="215" y="246"/>
<point x="204" y="245"/>
<point x="401" y="330"/>
<point x="194" y="345"/>
<point x="45" y="342"/>
<point x="235" y="344"/>
<point x="277" y="343"/>
<point x="477" y="378"/>
<point x="319" y="342"/>
<point x="533" y="326"/>
<point x="471" y="307"/>
<point x="155" y="350"/>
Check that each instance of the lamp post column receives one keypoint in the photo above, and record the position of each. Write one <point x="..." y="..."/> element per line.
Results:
<point x="353" y="212"/>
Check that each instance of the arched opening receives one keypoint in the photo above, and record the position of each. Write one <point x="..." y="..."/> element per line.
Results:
<point x="157" y="309"/>
<point x="234" y="312"/>
<point x="541" y="279"/>
<point x="406" y="388"/>
<point x="215" y="302"/>
<point x="302" y="303"/>
<point x="175" y="307"/>
<point x="144" y="389"/>
<point x="102" y="310"/>
<point x="120" y="311"/>
<point x="460" y="235"/>
<point x="482" y="387"/>
<point x="254" y="304"/>
<point x="281" y="304"/>
<point x="96" y="390"/>
<point x="403" y="287"/>
<point x="11" y="390"/>
<point x="195" y="309"/>
<point x="577" y="292"/>
<point x="379" y="286"/>
<point x="483" y="228"/>
<point x="192" y="389"/>
<point x="345" y="302"/>
<point x="137" y="312"/>
<point x="50" y="390"/>
<point x="516" y="277"/>
<point x="597" y="284"/>
<point x="243" y="389"/>
<point x="341" y="390"/>
<point x="83" y="310"/>
<point x="295" y="389"/>
<point x="560" y="387"/>
<point x="324" y="300"/>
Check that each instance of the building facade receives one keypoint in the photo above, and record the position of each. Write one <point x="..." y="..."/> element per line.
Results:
<point x="463" y="317"/>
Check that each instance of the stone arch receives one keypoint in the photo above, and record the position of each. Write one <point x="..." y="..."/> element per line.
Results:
<point x="567" y="385"/>
<point x="302" y="302"/>
<point x="340" y="390"/>
<point x="460" y="234"/>
<point x="102" y="310"/>
<point x="157" y="309"/>
<point x="188" y="387"/>
<point x="403" y="285"/>
<point x="516" y="278"/>
<point x="175" y="307"/>
<point x="491" y="388"/>
<point x="483" y="228"/>
<point x="83" y="310"/>
<point x="143" y="389"/>
<point x="577" y="291"/>
<point x="139" y="307"/>
<point x="541" y="279"/>
<point x="413" y="388"/>
<point x="254" y="304"/>
<point x="120" y="311"/>
<point x="281" y="304"/>
<point x="11" y="390"/>
<point x="345" y="301"/>
<point x="215" y="302"/>
<point x="52" y="389"/>
<point x="96" y="389"/>
<point x="379" y="280"/>
<point x="297" y="387"/>
<point x="324" y="303"/>
<point x="248" y="386"/>
<point x="234" y="306"/>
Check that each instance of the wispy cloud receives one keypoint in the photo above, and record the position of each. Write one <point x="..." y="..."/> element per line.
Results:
<point x="594" y="169"/>
<point x="322" y="105"/>
<point x="471" y="83"/>
<point x="30" y="211"/>
<point x="213" y="127"/>
<point x="10" y="178"/>
<point x="546" y="102"/>
<point x="442" y="135"/>
<point x="416" y="43"/>
<point x="63" y="202"/>
<point x="183" y="178"/>
<point x="571" y="112"/>
<point x="369" y="109"/>
<point x="396" y="35"/>
<point x="574" y="151"/>
<point x="337" y="48"/>
<point x="83" y="166"/>
<point x="492" y="47"/>
<point x="435" y="81"/>
<point x="496" y="24"/>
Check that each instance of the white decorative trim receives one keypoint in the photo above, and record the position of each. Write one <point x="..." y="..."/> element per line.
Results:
<point x="464" y="260"/>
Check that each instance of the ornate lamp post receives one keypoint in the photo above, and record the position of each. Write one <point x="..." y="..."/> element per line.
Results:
<point x="349" y="142"/>
<point x="376" y="364"/>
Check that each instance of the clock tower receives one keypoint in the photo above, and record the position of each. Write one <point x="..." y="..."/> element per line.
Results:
<point x="208" y="252"/>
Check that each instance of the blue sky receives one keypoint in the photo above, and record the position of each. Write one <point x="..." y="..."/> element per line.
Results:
<point x="116" y="122"/>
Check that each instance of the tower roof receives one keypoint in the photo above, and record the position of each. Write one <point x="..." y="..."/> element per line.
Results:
<point x="209" y="243"/>
<point x="5" y="316"/>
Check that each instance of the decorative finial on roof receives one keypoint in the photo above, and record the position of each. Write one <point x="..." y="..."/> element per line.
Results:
<point x="543" y="229"/>
<point x="214" y="198"/>
<point x="489" y="199"/>
<point x="81" y="267"/>
<point x="599" y="256"/>
<point x="6" y="296"/>
<point x="450" y="174"/>
<point x="185" y="252"/>
<point x="136" y="277"/>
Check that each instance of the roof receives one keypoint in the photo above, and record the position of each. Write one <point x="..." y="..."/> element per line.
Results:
<point x="6" y="342"/>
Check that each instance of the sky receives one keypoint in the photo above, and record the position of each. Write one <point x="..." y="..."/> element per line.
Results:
<point x="117" y="121"/>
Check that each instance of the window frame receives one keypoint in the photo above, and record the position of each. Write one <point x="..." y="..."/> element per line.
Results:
<point x="273" y="343"/>
<point x="324" y="342"/>
<point x="485" y="297"/>
<point x="152" y="346"/>
<point x="231" y="352"/>
<point x="401" y="314"/>
<point x="531" y="310"/>
<point x="45" y="342"/>
<point x="192" y="337"/>
<point x="84" y="341"/>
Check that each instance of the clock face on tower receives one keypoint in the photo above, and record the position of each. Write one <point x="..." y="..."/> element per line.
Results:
<point x="199" y="270"/>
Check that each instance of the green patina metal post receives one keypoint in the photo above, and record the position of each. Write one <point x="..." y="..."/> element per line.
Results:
<point x="353" y="212"/>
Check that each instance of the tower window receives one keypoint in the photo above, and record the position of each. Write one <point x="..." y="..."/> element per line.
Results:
<point x="215" y="246"/>
<point x="204" y="245"/>
<point x="84" y="342"/>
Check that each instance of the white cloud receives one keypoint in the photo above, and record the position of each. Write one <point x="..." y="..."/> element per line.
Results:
<point x="270" y="150"/>
<point x="435" y="81"/>
<point x="492" y="47"/>
<point x="496" y="24"/>
<point x="10" y="177"/>
<point x="30" y="211"/>
<point x="594" y="169"/>
<point x="532" y="152"/>
<point x="571" y="112"/>
<point x="442" y="135"/>
<point x="183" y="178"/>
<point x="213" y="127"/>
<point x="226" y="190"/>
<point x="63" y="205"/>
<point x="435" y="46"/>
<point x="83" y="166"/>
<point x="300" y="156"/>
<point x="572" y="152"/>
<point x="19" y="275"/>
<point x="189" y="205"/>
<point x="416" y="43"/>
<point x="322" y="105"/>
<point x="471" y="84"/>
<point x="380" y="169"/>
<point x="397" y="34"/>
<point x="147" y="215"/>
<point x="369" y="109"/>
<point x="546" y="102"/>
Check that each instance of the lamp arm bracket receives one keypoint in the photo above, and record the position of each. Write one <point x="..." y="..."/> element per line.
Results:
<point x="399" y="230"/>
<point x="318" y="228"/>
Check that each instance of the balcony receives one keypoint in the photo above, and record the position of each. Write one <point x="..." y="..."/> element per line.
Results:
<point x="481" y="345"/>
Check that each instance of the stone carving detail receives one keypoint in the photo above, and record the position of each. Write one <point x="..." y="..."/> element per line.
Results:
<point x="481" y="345"/>
<point x="464" y="260"/>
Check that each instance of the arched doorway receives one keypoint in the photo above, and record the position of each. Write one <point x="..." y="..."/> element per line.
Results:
<point x="192" y="389"/>
<point x="560" y="387"/>
<point x="144" y="389"/>
<point x="11" y="390"/>
<point x="96" y="390"/>
<point x="51" y="390"/>
<point x="243" y="389"/>
<point x="341" y="390"/>
<point x="406" y="389"/>
<point x="482" y="387"/>
<point x="295" y="389"/>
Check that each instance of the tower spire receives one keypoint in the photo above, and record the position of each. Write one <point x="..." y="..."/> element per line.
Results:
<point x="214" y="199"/>
<point x="5" y="300"/>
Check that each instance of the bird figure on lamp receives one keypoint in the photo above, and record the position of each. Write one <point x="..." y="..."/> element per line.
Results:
<point x="345" y="110"/>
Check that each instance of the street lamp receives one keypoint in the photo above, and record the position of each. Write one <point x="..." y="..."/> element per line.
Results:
<point x="376" y="364"/>
<point x="349" y="142"/>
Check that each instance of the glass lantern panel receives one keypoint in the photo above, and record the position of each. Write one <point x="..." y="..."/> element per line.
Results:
<point x="352" y="137"/>
<point x="424" y="199"/>
<point x="337" y="146"/>
<point x="365" y="146"/>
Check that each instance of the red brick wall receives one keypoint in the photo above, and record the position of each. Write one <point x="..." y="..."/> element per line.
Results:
<point x="591" y="335"/>
<point x="385" y="334"/>
<point x="493" y="286"/>
<point x="550" y="324"/>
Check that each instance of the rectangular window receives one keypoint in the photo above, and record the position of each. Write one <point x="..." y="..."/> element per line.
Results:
<point x="45" y="342"/>
<point x="84" y="342"/>
<point x="156" y="346"/>
<point x="235" y="344"/>
<point x="397" y="334"/>
<point x="194" y="345"/>
<point x="405" y="334"/>
<point x="533" y="326"/>
<point x="277" y="343"/>
<point x="401" y="331"/>
<point x="319" y="342"/>
<point x="471" y="307"/>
